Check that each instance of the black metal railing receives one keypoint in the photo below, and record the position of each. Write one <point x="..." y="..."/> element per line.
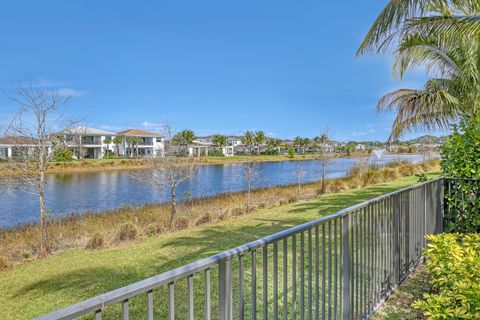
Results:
<point x="340" y="266"/>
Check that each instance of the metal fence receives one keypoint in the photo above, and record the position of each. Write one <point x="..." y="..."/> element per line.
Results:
<point x="337" y="267"/>
<point x="462" y="206"/>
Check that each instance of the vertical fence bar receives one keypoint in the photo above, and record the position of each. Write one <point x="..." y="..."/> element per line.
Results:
<point x="396" y="240"/>
<point x="225" y="289"/>
<point x="330" y="282"/>
<point x="324" y="273"/>
<point x="208" y="304"/>
<point x="98" y="315"/>
<point x="317" y="273"/>
<point x="171" y="301"/>
<point x="285" y="278"/>
<point x="190" y="297"/>
<point x="336" y="267"/>
<point x="302" y="276"/>
<point x="254" y="285"/>
<point x="241" y="276"/>
<point x="275" y="280"/>
<point x="347" y="299"/>
<point x="294" y="276"/>
<point x="310" y="275"/>
<point x="125" y="310"/>
<point x="150" y="305"/>
<point x="265" y="282"/>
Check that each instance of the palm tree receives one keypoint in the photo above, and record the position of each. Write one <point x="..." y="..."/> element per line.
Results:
<point x="259" y="139"/>
<point x="441" y="36"/>
<point x="184" y="138"/>
<point x="130" y="144"/>
<point x="220" y="141"/>
<point x="298" y="142"/>
<point x="248" y="140"/>
<point x="106" y="141"/>
<point x="275" y="144"/>
<point x="117" y="141"/>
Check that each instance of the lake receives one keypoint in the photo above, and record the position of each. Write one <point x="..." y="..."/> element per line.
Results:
<point x="99" y="191"/>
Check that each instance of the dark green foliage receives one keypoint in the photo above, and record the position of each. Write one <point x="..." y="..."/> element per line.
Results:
<point x="461" y="161"/>
<point x="215" y="153"/>
<point x="291" y="152"/>
<point x="63" y="156"/>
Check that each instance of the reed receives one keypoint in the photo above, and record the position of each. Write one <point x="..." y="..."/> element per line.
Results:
<point x="133" y="223"/>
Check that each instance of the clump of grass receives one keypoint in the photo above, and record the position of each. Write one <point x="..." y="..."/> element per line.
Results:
<point x="153" y="229"/>
<point x="4" y="263"/>
<point x="95" y="242"/>
<point x="206" y="218"/>
<point x="181" y="223"/>
<point x="127" y="231"/>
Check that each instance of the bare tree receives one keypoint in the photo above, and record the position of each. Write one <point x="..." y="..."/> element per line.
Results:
<point x="250" y="175"/>
<point x="300" y="173"/>
<point x="323" y="155"/>
<point x="35" y="130"/>
<point x="75" y="138"/>
<point x="167" y="172"/>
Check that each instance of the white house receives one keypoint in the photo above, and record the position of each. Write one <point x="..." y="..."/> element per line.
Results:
<point x="90" y="140"/>
<point x="14" y="146"/>
<point x="151" y="144"/>
<point x="202" y="145"/>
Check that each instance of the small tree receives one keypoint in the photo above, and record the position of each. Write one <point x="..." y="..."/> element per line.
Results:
<point x="40" y="124"/>
<point x="300" y="173"/>
<point x="291" y="152"/>
<point x="323" y="156"/>
<point x="250" y="175"/>
<point x="168" y="173"/>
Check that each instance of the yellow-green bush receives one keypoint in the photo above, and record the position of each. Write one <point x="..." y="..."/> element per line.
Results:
<point x="453" y="263"/>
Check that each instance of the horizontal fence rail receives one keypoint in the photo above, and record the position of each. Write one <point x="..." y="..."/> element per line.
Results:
<point x="462" y="205"/>
<point x="337" y="267"/>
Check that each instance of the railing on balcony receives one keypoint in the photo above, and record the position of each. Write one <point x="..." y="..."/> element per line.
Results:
<point x="337" y="267"/>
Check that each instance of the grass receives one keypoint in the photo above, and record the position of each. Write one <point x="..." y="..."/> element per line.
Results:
<point x="399" y="304"/>
<point x="43" y="285"/>
<point x="77" y="231"/>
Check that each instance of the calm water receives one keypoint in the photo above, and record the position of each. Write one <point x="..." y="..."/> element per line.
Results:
<point x="80" y="192"/>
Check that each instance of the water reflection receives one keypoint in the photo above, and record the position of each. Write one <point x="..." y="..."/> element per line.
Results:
<point x="97" y="191"/>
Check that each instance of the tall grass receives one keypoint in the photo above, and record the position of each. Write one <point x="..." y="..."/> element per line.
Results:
<point x="79" y="231"/>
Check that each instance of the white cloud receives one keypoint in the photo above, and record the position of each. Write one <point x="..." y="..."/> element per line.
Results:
<point x="69" y="92"/>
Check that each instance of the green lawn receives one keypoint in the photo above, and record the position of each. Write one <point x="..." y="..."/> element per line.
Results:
<point x="44" y="285"/>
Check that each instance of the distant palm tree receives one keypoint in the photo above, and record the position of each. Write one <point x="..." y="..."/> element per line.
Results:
<point x="117" y="141"/>
<point x="441" y="36"/>
<point x="130" y="145"/>
<point x="275" y="144"/>
<point x="248" y="140"/>
<point x="183" y="138"/>
<point x="220" y="140"/>
<point x="298" y="142"/>
<point x="259" y="139"/>
<point x="106" y="141"/>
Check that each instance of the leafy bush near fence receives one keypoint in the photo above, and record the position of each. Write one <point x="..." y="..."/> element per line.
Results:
<point x="461" y="159"/>
<point x="453" y="264"/>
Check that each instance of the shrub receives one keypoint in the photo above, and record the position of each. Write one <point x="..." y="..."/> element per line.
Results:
<point x="291" y="152"/>
<point x="453" y="264"/>
<point x="4" y="263"/>
<point x="206" y="218"/>
<point x="63" y="156"/>
<point x="95" y="242"/>
<point x="127" y="231"/>
<point x="153" y="229"/>
<point x="215" y="153"/>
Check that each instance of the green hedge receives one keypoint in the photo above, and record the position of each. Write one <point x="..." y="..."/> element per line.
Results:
<point x="453" y="264"/>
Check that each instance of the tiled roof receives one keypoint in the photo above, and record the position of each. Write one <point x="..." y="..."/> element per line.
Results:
<point x="12" y="140"/>
<point x="138" y="133"/>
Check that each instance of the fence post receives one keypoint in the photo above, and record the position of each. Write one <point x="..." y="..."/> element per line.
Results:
<point x="225" y="289"/>
<point x="347" y="275"/>
<point x="396" y="239"/>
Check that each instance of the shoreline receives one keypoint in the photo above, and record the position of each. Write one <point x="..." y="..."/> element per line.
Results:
<point x="98" y="165"/>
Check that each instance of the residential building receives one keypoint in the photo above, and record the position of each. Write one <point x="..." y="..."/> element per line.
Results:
<point x="149" y="144"/>
<point x="89" y="142"/>
<point x="13" y="146"/>
<point x="202" y="146"/>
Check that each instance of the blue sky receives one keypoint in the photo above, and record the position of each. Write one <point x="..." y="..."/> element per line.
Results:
<point x="285" y="67"/>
